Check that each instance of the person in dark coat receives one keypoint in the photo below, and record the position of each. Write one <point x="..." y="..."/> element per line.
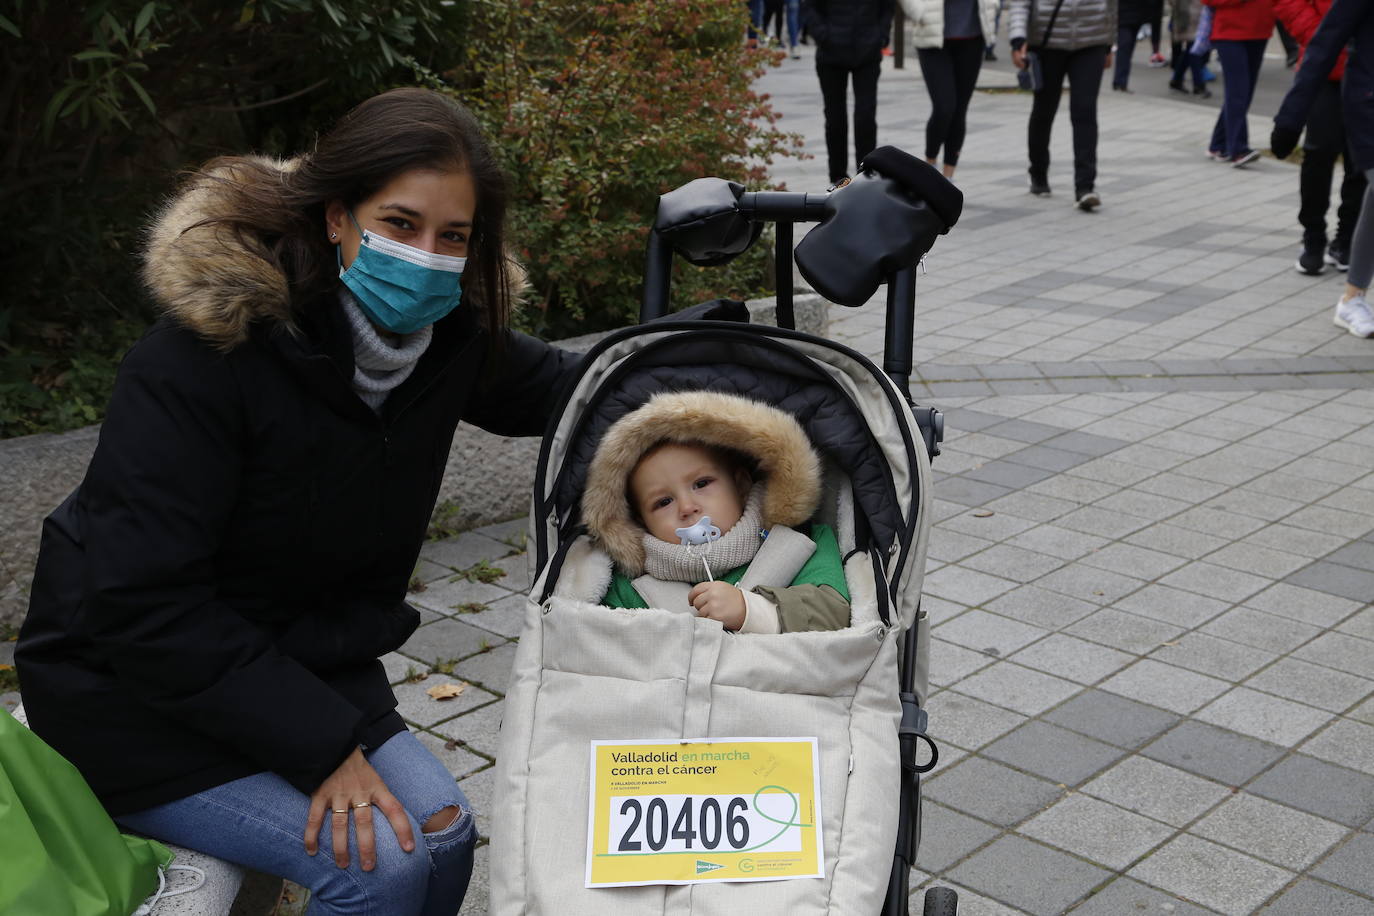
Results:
<point x="1323" y="142"/>
<point x="850" y="37"/>
<point x="1347" y="21"/>
<point x="210" y="605"/>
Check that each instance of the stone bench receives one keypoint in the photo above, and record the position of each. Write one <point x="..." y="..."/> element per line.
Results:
<point x="222" y="880"/>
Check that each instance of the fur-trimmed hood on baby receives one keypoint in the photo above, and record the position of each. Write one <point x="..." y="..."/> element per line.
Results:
<point x="217" y="282"/>
<point x="786" y="460"/>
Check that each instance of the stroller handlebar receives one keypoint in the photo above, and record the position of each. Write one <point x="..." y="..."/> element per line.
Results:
<point x="791" y="206"/>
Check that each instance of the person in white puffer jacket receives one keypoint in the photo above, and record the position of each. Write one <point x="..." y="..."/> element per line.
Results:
<point x="950" y="36"/>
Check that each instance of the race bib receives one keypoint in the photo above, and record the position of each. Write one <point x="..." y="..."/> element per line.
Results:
<point x="703" y="810"/>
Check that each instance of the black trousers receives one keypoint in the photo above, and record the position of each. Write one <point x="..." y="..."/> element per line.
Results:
<point x="950" y="73"/>
<point x="834" y="83"/>
<point x="1325" y="140"/>
<point x="1083" y="67"/>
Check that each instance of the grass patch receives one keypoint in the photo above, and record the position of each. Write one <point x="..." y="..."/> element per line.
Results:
<point x="444" y="523"/>
<point x="481" y="571"/>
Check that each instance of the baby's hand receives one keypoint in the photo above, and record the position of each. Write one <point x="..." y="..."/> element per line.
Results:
<point x="719" y="601"/>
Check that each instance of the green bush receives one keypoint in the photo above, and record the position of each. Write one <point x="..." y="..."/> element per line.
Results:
<point x="598" y="108"/>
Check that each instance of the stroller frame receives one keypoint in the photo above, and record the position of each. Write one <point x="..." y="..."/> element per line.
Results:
<point x="784" y="209"/>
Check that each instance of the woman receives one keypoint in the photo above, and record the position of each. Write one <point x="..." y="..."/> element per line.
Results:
<point x="1240" y="30"/>
<point x="850" y="37"/>
<point x="210" y="604"/>
<point x="1352" y="22"/>
<point x="1077" y="43"/>
<point x="950" y="36"/>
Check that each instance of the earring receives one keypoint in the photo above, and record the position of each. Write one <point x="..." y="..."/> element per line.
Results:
<point x="333" y="236"/>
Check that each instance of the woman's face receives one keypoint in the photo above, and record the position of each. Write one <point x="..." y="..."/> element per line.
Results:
<point x="427" y="209"/>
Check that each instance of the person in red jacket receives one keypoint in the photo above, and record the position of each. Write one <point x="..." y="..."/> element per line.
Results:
<point x="1325" y="140"/>
<point x="1240" y="30"/>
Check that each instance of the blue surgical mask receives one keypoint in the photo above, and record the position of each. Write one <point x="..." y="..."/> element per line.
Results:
<point x="401" y="288"/>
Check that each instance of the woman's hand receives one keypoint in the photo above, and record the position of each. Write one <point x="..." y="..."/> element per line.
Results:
<point x="719" y="601"/>
<point x="357" y="789"/>
<point x="1018" y="58"/>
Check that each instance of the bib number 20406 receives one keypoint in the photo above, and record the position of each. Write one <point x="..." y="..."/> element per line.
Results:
<point x="697" y="823"/>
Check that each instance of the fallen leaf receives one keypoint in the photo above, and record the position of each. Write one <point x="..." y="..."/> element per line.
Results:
<point x="983" y="513"/>
<point x="450" y="745"/>
<point x="447" y="691"/>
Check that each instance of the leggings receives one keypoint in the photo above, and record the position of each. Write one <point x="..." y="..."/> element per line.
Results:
<point x="1362" y="244"/>
<point x="950" y="73"/>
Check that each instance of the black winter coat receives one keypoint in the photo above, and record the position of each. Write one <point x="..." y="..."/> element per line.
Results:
<point x="1346" y="21"/>
<point x="211" y="602"/>
<point x="848" y="33"/>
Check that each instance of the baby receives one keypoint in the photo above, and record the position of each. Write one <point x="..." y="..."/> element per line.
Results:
<point x="743" y="471"/>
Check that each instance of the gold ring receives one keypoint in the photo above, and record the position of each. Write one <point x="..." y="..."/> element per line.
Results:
<point x="363" y="805"/>
<point x="340" y="810"/>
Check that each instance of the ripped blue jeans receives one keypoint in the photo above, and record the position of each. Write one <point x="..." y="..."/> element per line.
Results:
<point x="259" y="822"/>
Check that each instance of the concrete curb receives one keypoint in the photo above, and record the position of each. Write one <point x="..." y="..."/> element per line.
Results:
<point x="37" y="472"/>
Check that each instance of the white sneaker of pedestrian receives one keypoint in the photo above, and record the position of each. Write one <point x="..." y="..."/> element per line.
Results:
<point x="1355" y="316"/>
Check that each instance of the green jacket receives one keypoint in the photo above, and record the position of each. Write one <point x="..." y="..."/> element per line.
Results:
<point x="817" y="599"/>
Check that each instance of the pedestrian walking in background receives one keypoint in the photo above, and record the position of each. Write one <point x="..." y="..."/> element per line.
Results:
<point x="990" y="38"/>
<point x="1240" y="30"/>
<point x="850" y="36"/>
<point x="1346" y="21"/>
<point x="1132" y="16"/>
<point x="1324" y="141"/>
<point x="1073" y="38"/>
<point x="1184" y="16"/>
<point x="950" y="36"/>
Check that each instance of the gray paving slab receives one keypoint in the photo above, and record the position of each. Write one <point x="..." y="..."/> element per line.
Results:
<point x="1054" y="753"/>
<point x="1349" y="865"/>
<point x="1126" y="895"/>
<point x="1272" y="832"/>
<point x="992" y="792"/>
<point x="1013" y="869"/>
<point x="1212" y="875"/>
<point x="1307" y="897"/>
<point x="1213" y="752"/>
<point x="1100" y="832"/>
<point x="1317" y="787"/>
<point x="948" y="836"/>
<point x="1113" y="719"/>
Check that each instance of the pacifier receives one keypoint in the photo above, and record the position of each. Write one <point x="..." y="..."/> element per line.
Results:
<point x="698" y="539"/>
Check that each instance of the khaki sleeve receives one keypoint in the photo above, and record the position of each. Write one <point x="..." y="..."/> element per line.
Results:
<point x="807" y="607"/>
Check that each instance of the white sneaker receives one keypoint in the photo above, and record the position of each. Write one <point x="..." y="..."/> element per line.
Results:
<point x="1355" y="316"/>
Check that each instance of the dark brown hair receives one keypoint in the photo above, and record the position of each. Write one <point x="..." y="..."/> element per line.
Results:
<point x="391" y="133"/>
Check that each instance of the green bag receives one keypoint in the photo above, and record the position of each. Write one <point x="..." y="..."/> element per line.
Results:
<point x="60" y="854"/>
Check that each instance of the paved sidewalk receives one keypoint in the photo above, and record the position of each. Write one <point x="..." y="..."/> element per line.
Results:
<point x="1153" y="667"/>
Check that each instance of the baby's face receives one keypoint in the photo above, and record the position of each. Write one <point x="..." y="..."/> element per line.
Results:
<point x="674" y="485"/>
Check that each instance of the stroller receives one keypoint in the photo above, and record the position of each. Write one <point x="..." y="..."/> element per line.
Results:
<point x="586" y="673"/>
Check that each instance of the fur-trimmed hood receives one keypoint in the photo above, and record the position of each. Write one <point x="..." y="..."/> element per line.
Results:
<point x="786" y="462"/>
<point x="217" y="282"/>
<point x="210" y="279"/>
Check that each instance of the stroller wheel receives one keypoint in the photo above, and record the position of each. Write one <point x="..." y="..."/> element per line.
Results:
<point x="941" y="901"/>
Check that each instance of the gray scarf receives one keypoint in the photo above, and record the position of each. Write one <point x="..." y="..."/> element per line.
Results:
<point x="378" y="364"/>
<point x="736" y="547"/>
